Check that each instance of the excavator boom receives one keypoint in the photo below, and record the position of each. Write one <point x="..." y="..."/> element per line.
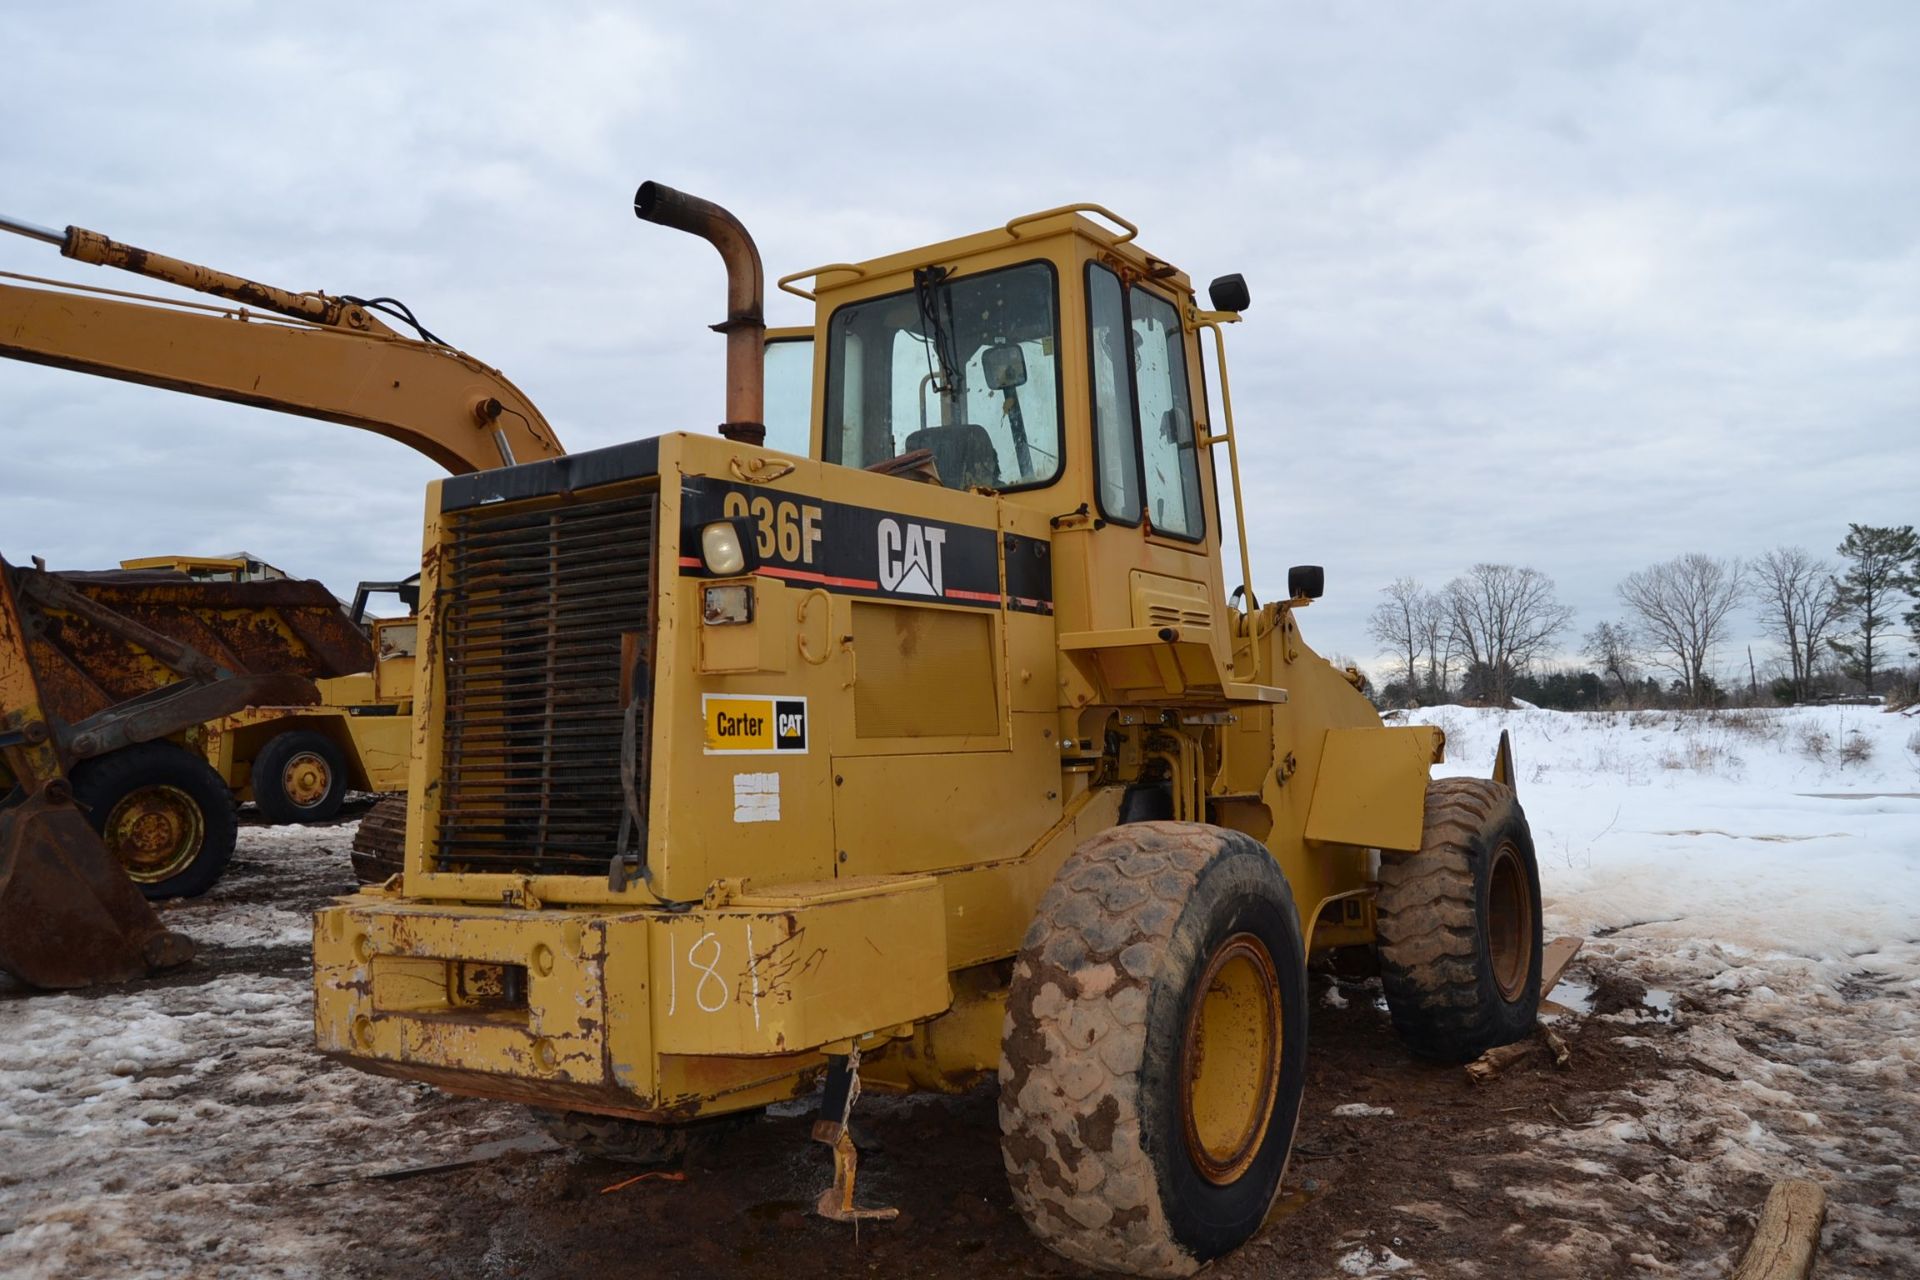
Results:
<point x="311" y="354"/>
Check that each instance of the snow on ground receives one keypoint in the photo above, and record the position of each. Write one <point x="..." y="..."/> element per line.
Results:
<point x="1761" y="870"/>
<point x="1767" y="865"/>
<point x="172" y="1129"/>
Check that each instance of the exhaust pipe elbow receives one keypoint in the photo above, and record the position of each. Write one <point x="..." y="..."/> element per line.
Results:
<point x="746" y="324"/>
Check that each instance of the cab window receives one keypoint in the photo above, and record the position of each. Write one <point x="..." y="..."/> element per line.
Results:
<point x="964" y="367"/>
<point x="1114" y="456"/>
<point x="1167" y="453"/>
<point x="789" y="393"/>
<point x="1145" y="454"/>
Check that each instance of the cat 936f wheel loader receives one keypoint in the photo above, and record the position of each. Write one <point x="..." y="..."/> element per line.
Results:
<point x="939" y="753"/>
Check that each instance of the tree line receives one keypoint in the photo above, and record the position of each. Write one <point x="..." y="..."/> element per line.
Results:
<point x="1841" y="627"/>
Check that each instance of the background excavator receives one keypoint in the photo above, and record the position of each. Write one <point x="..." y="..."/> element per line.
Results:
<point x="69" y="914"/>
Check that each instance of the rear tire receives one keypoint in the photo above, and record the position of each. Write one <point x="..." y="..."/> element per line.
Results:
<point x="1153" y="1055"/>
<point x="380" y="845"/>
<point x="1459" y="925"/>
<point x="299" y="776"/>
<point x="163" y="813"/>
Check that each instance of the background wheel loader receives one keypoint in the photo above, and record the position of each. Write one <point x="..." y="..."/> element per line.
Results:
<point x="939" y="752"/>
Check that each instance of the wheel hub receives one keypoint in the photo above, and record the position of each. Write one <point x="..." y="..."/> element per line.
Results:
<point x="156" y="832"/>
<point x="1230" y="1066"/>
<point x="306" y="779"/>
<point x="1509" y="923"/>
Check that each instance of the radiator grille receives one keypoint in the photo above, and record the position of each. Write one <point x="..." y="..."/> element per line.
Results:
<point x="535" y="608"/>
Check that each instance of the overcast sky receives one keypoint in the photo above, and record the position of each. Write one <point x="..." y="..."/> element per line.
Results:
<point x="1575" y="286"/>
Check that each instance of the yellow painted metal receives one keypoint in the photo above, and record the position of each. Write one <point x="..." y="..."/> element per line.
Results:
<point x="156" y="831"/>
<point x="1372" y="786"/>
<point x="327" y="359"/>
<point x="1510" y="921"/>
<point x="592" y="998"/>
<point x="375" y="739"/>
<point x="1230" y="1060"/>
<point x="955" y="758"/>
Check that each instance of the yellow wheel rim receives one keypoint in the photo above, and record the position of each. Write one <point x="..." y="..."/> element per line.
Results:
<point x="1230" y="1067"/>
<point x="306" y="779"/>
<point x="1509" y="923"/>
<point x="156" y="832"/>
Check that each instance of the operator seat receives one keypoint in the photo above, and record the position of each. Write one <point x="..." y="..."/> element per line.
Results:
<point x="964" y="453"/>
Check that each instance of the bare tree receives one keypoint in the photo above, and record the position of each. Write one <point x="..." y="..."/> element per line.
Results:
<point x="1504" y="616"/>
<point x="1610" y="646"/>
<point x="1441" y="640"/>
<point x="1799" y="604"/>
<point x="1396" y="623"/>
<point x="1682" y="606"/>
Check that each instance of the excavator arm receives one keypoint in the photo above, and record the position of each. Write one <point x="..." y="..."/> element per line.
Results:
<point x="309" y="354"/>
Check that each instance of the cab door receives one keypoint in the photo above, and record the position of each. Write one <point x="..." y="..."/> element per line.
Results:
<point x="1150" y="561"/>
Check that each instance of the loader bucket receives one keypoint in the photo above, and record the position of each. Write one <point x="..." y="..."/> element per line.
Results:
<point x="69" y="916"/>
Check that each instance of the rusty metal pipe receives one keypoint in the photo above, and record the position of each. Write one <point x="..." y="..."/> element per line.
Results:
<point x="83" y="245"/>
<point x="91" y="247"/>
<point x="746" y="322"/>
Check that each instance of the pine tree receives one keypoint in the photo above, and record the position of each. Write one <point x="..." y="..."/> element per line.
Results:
<point x="1883" y="565"/>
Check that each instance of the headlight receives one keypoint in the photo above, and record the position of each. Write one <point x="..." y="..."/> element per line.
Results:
<point x="720" y="549"/>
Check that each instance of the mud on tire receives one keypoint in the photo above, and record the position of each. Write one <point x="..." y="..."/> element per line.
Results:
<point x="1459" y="925"/>
<point x="1146" y="929"/>
<point x="380" y="845"/>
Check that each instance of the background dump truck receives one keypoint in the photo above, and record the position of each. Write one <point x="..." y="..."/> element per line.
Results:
<point x="297" y="763"/>
<point x="939" y="753"/>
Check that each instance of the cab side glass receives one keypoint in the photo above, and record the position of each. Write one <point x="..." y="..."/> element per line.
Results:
<point x="1113" y="451"/>
<point x="1166" y="418"/>
<point x="789" y="394"/>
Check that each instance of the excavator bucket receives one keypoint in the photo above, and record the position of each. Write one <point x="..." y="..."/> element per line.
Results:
<point x="69" y="916"/>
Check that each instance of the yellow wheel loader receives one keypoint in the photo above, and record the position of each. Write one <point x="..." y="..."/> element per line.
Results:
<point x="937" y="753"/>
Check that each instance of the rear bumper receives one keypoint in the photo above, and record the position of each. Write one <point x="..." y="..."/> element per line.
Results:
<point x="645" y="1013"/>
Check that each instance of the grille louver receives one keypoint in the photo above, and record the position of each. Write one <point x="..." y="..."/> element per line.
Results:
<point x="533" y="607"/>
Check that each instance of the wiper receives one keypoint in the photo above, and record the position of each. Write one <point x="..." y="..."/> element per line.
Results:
<point x="929" y="295"/>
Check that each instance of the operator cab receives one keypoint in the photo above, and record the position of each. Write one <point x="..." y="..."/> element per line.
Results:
<point x="966" y="368"/>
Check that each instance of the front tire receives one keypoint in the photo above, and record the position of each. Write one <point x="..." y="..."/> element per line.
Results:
<point x="299" y="776"/>
<point x="163" y="812"/>
<point x="1154" y="1051"/>
<point x="1459" y="925"/>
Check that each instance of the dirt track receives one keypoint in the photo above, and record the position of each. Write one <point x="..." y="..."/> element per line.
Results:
<point x="250" y="1156"/>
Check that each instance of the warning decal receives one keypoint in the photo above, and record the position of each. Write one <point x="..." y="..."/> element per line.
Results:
<point x="753" y="724"/>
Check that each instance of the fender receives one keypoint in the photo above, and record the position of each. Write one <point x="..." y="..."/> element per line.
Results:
<point x="1371" y="790"/>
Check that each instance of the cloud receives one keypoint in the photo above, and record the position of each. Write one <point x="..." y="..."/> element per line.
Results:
<point x="1577" y="286"/>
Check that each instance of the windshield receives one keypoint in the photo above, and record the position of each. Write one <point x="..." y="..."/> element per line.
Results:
<point x="965" y="368"/>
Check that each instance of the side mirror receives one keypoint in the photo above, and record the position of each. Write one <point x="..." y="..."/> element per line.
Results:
<point x="1306" y="582"/>
<point x="1229" y="293"/>
<point x="1004" y="366"/>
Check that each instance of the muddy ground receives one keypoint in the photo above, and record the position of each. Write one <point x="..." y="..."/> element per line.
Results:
<point x="228" y="1148"/>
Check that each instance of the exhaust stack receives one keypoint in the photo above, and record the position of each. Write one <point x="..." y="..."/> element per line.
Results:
<point x="746" y="322"/>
